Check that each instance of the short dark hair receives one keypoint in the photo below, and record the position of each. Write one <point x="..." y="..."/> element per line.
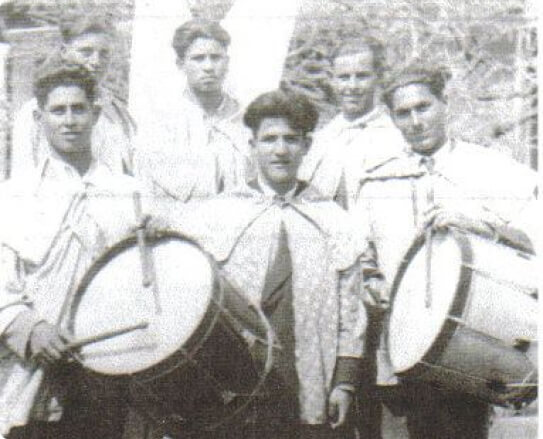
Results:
<point x="434" y="78"/>
<point x="70" y="29"/>
<point x="198" y="28"/>
<point x="301" y="114"/>
<point x="56" y="71"/>
<point x="355" y="46"/>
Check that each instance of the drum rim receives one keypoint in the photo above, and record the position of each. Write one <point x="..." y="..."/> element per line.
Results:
<point x="458" y="304"/>
<point x="194" y="342"/>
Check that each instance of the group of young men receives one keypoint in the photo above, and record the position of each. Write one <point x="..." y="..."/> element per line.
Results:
<point x="309" y="226"/>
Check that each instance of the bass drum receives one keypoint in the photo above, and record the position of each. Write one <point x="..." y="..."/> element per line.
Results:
<point x="205" y="353"/>
<point x="478" y="333"/>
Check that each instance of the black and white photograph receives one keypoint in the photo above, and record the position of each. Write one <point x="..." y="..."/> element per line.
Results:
<point x="269" y="219"/>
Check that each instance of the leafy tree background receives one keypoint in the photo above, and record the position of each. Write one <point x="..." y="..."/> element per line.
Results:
<point x="490" y="46"/>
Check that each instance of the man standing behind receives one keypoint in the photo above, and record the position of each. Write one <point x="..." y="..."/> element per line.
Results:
<point x="292" y="254"/>
<point x="199" y="151"/>
<point x="86" y="41"/>
<point x="55" y="221"/>
<point x="361" y="135"/>
<point x="440" y="182"/>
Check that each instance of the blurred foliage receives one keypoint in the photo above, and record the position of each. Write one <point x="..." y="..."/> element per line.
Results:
<point x="489" y="46"/>
<point x="21" y="14"/>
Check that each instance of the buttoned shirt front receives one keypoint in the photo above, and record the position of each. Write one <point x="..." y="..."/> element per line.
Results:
<point x="343" y="150"/>
<point x="55" y="224"/>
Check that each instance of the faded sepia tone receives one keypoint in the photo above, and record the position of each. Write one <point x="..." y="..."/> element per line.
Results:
<point x="489" y="47"/>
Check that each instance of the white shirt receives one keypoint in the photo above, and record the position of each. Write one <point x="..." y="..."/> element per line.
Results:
<point x="54" y="225"/>
<point x="111" y="143"/>
<point x="191" y="154"/>
<point x="343" y="150"/>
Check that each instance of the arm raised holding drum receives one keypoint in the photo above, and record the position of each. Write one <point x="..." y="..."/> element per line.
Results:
<point x="57" y="219"/>
<point x="440" y="218"/>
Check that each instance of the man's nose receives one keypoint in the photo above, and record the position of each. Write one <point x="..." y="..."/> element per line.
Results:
<point x="280" y="147"/>
<point x="415" y="119"/>
<point x="208" y="64"/>
<point x="94" y="59"/>
<point x="352" y="82"/>
<point x="69" y="117"/>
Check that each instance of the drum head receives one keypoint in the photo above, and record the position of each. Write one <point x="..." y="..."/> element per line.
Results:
<point x="112" y="297"/>
<point x="414" y="326"/>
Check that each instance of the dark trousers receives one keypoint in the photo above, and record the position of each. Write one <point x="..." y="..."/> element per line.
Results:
<point x="273" y="415"/>
<point x="434" y="413"/>
<point x="430" y="413"/>
<point x="94" y="407"/>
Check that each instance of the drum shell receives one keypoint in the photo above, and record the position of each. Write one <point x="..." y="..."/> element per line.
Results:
<point x="487" y="346"/>
<point x="208" y="382"/>
<point x="214" y="373"/>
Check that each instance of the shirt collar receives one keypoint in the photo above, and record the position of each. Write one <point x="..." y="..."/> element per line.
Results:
<point x="228" y="108"/>
<point x="55" y="170"/>
<point x="439" y="158"/>
<point x="259" y="184"/>
<point x="361" y="121"/>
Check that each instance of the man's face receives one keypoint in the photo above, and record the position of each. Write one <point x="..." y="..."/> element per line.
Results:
<point x="67" y="118"/>
<point x="279" y="150"/>
<point x="354" y="82"/>
<point x="92" y="50"/>
<point x="205" y="65"/>
<point x="420" y="116"/>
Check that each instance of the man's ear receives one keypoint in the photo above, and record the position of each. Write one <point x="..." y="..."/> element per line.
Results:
<point x="252" y="142"/>
<point x="308" y="140"/>
<point x="37" y="115"/>
<point x="179" y="62"/>
<point x="96" y="111"/>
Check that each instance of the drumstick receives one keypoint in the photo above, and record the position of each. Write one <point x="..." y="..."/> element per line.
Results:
<point x="428" y="248"/>
<point x="140" y="235"/>
<point x="106" y="335"/>
<point x="428" y="237"/>
<point x="147" y="268"/>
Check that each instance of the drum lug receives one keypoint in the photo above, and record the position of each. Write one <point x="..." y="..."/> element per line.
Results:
<point x="228" y="396"/>
<point x="522" y="344"/>
<point x="249" y="337"/>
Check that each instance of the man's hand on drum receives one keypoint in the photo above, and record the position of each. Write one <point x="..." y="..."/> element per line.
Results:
<point x="339" y="405"/>
<point x="441" y="219"/>
<point x="48" y="345"/>
<point x="377" y="293"/>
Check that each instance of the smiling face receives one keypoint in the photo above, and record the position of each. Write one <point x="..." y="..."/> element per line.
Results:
<point x="354" y="82"/>
<point x="67" y="119"/>
<point x="279" y="150"/>
<point x="420" y="116"/>
<point x="205" y="64"/>
<point x="91" y="50"/>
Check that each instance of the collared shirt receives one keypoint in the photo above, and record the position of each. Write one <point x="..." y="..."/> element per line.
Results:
<point x="343" y="150"/>
<point x="242" y="233"/>
<point x="55" y="224"/>
<point x="111" y="138"/>
<point x="466" y="178"/>
<point x="192" y="154"/>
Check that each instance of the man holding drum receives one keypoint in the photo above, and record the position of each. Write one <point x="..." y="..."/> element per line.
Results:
<point x="440" y="183"/>
<point x="292" y="254"/>
<point x="53" y="225"/>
